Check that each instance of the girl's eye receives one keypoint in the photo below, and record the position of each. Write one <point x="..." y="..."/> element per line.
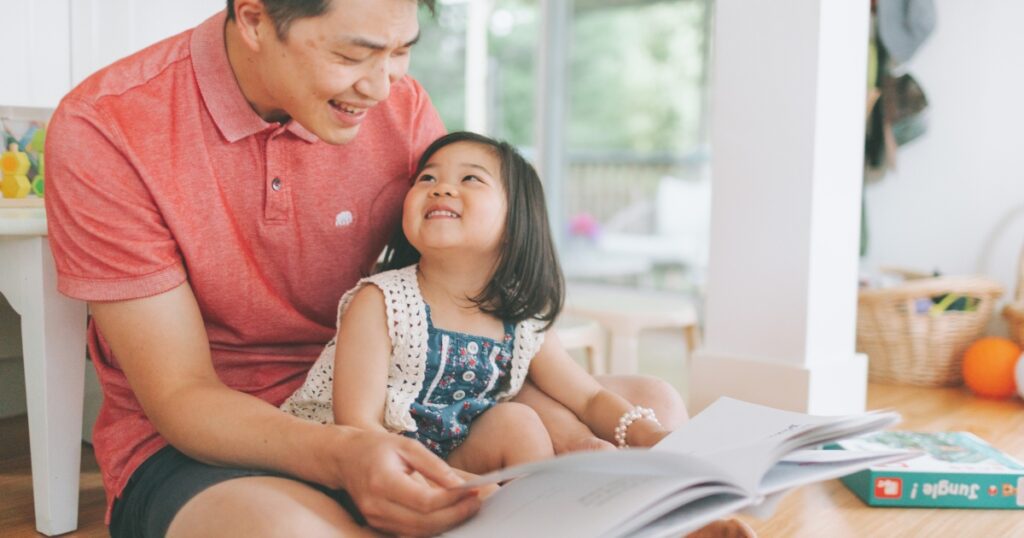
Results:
<point x="425" y="177"/>
<point x="470" y="178"/>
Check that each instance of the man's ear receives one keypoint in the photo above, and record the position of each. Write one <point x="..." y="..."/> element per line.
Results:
<point x="252" y="22"/>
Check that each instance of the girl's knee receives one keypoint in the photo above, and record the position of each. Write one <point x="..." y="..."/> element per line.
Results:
<point x="522" y="422"/>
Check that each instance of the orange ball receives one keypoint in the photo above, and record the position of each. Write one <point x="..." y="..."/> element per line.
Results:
<point x="989" y="367"/>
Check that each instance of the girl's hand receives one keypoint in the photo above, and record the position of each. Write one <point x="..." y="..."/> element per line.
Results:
<point x="587" y="444"/>
<point x="645" y="433"/>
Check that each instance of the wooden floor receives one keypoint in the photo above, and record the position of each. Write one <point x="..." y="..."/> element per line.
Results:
<point x="829" y="509"/>
<point x="826" y="509"/>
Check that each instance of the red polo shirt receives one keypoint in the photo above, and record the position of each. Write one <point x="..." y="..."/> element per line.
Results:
<point x="159" y="171"/>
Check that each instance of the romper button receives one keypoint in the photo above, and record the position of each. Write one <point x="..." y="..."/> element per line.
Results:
<point x="472" y="348"/>
<point x="469" y="375"/>
<point x="276" y="184"/>
<point x="459" y="395"/>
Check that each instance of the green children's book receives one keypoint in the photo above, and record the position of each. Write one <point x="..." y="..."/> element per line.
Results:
<point x="956" y="470"/>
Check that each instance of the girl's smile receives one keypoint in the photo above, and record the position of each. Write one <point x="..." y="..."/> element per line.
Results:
<point x="458" y="202"/>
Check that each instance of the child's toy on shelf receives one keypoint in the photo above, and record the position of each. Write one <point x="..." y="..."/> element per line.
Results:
<point x="14" y="165"/>
<point x="989" y="367"/>
<point x="37" y="146"/>
<point x="38" y="183"/>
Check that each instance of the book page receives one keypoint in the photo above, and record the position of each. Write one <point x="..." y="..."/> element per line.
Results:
<point x="630" y="461"/>
<point x="583" y="503"/>
<point x="785" y="475"/>
<point x="746" y="439"/>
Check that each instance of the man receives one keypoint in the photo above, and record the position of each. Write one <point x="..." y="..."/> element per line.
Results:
<point x="212" y="197"/>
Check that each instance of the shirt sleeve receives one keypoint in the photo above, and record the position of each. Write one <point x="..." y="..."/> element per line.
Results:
<point x="107" y="234"/>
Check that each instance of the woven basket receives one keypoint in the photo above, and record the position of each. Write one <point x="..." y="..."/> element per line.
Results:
<point x="905" y="346"/>
<point x="1014" y="312"/>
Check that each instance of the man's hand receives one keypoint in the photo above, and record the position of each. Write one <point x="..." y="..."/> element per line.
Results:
<point x="379" y="471"/>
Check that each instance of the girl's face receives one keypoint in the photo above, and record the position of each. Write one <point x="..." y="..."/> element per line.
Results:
<point x="457" y="204"/>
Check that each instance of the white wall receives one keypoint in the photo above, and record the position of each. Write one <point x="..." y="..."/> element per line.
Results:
<point x="55" y="45"/>
<point x="956" y="202"/>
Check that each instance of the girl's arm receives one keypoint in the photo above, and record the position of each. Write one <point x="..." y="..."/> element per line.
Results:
<point x="361" y="359"/>
<point x="561" y="377"/>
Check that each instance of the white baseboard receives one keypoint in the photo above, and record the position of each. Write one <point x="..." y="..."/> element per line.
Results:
<point x="828" y="387"/>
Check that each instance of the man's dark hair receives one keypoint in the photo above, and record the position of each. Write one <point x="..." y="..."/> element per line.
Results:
<point x="284" y="12"/>
<point x="528" y="281"/>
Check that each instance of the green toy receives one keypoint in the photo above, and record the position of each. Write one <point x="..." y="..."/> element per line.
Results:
<point x="37" y="183"/>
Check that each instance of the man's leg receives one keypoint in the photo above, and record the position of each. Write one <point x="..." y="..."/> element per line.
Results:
<point x="263" y="506"/>
<point x="568" y="434"/>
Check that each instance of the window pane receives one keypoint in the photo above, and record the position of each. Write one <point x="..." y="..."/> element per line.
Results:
<point x="637" y="197"/>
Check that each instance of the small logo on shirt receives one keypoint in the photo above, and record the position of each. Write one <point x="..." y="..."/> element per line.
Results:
<point x="343" y="219"/>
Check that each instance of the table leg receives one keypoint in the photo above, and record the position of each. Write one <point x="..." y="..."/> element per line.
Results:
<point x="624" y="351"/>
<point x="692" y="335"/>
<point x="53" y="339"/>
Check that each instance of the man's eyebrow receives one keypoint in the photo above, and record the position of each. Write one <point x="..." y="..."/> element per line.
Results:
<point x="376" y="45"/>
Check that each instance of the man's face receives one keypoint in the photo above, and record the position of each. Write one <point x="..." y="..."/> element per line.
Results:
<point x="331" y="69"/>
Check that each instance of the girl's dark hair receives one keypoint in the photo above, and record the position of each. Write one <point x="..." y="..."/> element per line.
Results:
<point x="284" y="12"/>
<point x="527" y="281"/>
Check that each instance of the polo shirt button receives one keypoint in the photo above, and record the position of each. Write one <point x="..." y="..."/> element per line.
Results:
<point x="459" y="395"/>
<point x="468" y="376"/>
<point x="472" y="347"/>
<point x="276" y="184"/>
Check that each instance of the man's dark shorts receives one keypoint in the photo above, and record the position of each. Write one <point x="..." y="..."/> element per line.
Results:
<point x="167" y="480"/>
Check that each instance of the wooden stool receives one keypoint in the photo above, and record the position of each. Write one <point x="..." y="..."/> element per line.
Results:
<point x="625" y="312"/>
<point x="576" y="332"/>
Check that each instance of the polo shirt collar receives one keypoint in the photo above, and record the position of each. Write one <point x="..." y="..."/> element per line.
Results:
<point x="232" y="114"/>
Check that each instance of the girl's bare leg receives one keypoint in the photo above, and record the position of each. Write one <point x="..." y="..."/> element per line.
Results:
<point x="505" y="435"/>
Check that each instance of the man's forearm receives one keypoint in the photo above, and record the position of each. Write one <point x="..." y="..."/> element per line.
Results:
<point x="221" y="426"/>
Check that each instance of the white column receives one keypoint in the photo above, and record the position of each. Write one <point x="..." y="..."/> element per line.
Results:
<point x="787" y="141"/>
<point x="550" y="115"/>
<point x="477" y="24"/>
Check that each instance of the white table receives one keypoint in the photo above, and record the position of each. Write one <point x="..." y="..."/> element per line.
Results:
<point x="53" y="341"/>
<point x="625" y="313"/>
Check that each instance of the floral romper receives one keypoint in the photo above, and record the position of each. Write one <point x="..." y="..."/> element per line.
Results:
<point x="439" y="381"/>
<point x="465" y="374"/>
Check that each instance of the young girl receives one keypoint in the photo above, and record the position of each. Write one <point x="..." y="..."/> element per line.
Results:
<point x="436" y="344"/>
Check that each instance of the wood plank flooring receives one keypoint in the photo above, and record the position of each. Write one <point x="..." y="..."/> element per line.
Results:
<point x="829" y="509"/>
<point x="826" y="509"/>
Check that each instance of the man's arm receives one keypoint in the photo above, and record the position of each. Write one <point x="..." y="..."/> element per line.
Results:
<point x="161" y="344"/>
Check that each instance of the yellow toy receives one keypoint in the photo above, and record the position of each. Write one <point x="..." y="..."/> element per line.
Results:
<point x="14" y="164"/>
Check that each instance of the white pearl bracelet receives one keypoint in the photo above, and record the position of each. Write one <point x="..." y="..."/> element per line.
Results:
<point x="627" y="419"/>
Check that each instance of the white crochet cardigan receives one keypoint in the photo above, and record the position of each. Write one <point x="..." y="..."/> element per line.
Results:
<point x="407" y="327"/>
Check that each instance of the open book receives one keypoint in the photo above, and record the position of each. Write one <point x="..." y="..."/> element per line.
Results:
<point x="732" y="456"/>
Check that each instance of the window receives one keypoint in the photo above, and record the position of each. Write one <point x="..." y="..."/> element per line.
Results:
<point x="634" y="194"/>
